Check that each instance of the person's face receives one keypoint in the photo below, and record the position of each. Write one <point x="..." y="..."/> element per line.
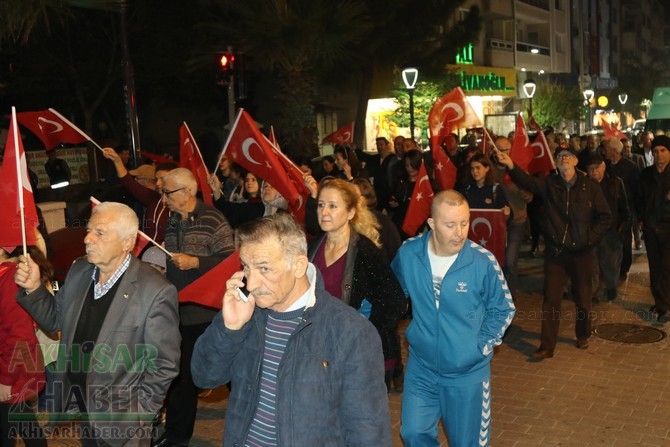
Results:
<point x="450" y="228"/>
<point x="159" y="179"/>
<point x="609" y="152"/>
<point x="566" y="162"/>
<point x="268" y="192"/>
<point x="382" y="146"/>
<point x="175" y="197"/>
<point x="224" y="166"/>
<point x="397" y="144"/>
<point x="104" y="247"/>
<point x="596" y="172"/>
<point x="411" y="172"/>
<point x="251" y="185"/>
<point x="478" y="171"/>
<point x="627" y="146"/>
<point x="270" y="277"/>
<point x="331" y="210"/>
<point x="327" y="166"/>
<point x="340" y="161"/>
<point x="591" y="142"/>
<point x="661" y="157"/>
<point x="647" y="138"/>
<point x="576" y="143"/>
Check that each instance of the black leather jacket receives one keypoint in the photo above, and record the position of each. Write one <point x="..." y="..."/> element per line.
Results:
<point x="574" y="218"/>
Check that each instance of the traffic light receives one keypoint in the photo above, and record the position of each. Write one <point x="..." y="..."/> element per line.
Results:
<point x="226" y="65"/>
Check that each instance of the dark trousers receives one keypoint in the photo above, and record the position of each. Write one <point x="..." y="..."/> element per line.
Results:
<point x="658" y="255"/>
<point x="579" y="268"/>
<point x="182" y="397"/>
<point x="23" y="423"/>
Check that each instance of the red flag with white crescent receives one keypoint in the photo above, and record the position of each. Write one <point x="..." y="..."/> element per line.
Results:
<point x="342" y="136"/>
<point x="488" y="228"/>
<point x="191" y="159"/>
<point x="444" y="170"/>
<point x="450" y="113"/>
<point x="249" y="148"/>
<point x="419" y="205"/>
<point x="16" y="191"/>
<point x="543" y="159"/>
<point x="50" y="128"/>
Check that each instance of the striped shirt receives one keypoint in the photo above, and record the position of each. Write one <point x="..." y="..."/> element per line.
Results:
<point x="278" y="330"/>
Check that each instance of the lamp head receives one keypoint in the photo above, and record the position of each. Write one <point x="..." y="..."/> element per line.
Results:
<point x="409" y="77"/>
<point x="529" y="87"/>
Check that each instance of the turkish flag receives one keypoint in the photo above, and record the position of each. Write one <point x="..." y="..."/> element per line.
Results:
<point x="273" y="138"/>
<point x="16" y="193"/>
<point x="443" y="169"/>
<point x="449" y="113"/>
<point x="419" y="205"/>
<point x="249" y="148"/>
<point x="296" y="209"/>
<point x="342" y="136"/>
<point x="209" y="289"/>
<point x="543" y="159"/>
<point x="191" y="158"/>
<point x="521" y="153"/>
<point x="488" y="228"/>
<point x="50" y="128"/>
<point x="611" y="131"/>
<point x="487" y="144"/>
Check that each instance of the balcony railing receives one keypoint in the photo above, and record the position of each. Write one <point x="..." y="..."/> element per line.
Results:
<point x="499" y="44"/>
<point x="524" y="47"/>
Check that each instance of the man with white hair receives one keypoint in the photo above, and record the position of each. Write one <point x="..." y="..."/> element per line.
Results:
<point x="199" y="237"/>
<point x="119" y="323"/>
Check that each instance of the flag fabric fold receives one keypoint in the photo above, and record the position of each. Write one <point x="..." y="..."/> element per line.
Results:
<point x="16" y="193"/>
<point x="610" y="131"/>
<point x="521" y="152"/>
<point x="342" y="136"/>
<point x="444" y="169"/>
<point x="191" y="158"/>
<point x="488" y="228"/>
<point x="208" y="290"/>
<point x="419" y="205"/>
<point x="449" y="113"/>
<point x="249" y="148"/>
<point x="543" y="158"/>
<point x="50" y="128"/>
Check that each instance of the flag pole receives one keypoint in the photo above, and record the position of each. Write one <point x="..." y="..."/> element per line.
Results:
<point x="197" y="149"/>
<point x="230" y="134"/>
<point x="72" y="125"/>
<point x="19" y="181"/>
<point x="95" y="201"/>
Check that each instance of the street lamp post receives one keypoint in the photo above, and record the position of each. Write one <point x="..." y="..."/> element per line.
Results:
<point x="588" y="97"/>
<point x="529" y="87"/>
<point x="409" y="77"/>
<point x="623" y="97"/>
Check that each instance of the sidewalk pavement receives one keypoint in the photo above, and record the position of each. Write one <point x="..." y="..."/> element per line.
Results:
<point x="613" y="394"/>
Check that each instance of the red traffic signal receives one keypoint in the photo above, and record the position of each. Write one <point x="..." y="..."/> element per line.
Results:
<point x="226" y="61"/>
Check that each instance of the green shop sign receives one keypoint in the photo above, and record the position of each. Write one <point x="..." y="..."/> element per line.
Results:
<point x="486" y="81"/>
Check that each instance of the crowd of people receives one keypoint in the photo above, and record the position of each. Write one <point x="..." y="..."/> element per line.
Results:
<point x="307" y="335"/>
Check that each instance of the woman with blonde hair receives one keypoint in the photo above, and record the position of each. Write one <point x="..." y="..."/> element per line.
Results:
<point x="354" y="267"/>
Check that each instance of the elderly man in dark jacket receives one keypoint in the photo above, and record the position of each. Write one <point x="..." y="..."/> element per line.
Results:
<point x="653" y="206"/>
<point x="576" y="217"/>
<point x="305" y="368"/>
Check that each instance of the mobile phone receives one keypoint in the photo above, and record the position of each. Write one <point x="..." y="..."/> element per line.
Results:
<point x="242" y="295"/>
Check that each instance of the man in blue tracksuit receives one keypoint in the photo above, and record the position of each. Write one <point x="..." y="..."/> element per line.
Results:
<point x="461" y="308"/>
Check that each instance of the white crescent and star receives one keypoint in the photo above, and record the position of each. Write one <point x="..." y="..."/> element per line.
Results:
<point x="484" y="221"/>
<point x="456" y="108"/>
<point x="58" y="127"/>
<point x="245" y="149"/>
<point x="541" y="146"/>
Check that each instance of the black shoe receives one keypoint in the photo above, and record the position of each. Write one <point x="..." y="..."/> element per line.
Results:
<point x="611" y="294"/>
<point x="582" y="343"/>
<point x="542" y="354"/>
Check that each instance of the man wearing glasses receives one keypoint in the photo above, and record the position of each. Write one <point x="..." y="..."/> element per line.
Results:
<point x="199" y="237"/>
<point x="575" y="218"/>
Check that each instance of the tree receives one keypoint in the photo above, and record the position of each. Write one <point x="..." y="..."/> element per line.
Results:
<point x="554" y="104"/>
